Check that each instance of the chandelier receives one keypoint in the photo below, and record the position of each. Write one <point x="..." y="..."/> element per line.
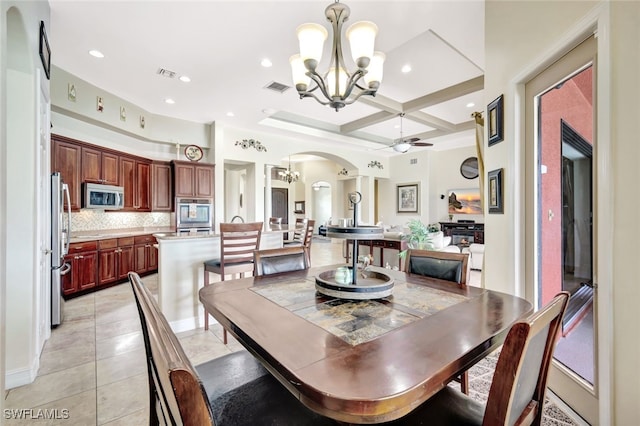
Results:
<point x="289" y="176"/>
<point x="337" y="85"/>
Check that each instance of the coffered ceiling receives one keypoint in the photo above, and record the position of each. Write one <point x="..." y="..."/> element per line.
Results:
<point x="220" y="46"/>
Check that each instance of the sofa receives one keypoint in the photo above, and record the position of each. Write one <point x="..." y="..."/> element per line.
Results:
<point x="442" y="243"/>
<point x="476" y="255"/>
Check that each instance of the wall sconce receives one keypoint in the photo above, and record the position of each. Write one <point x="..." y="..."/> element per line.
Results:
<point x="375" y="164"/>
<point x="343" y="172"/>
<point x="442" y="196"/>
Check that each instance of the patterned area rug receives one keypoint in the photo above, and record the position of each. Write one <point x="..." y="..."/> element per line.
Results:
<point x="480" y="381"/>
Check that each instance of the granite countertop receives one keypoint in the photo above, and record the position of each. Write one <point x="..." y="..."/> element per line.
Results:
<point x="105" y="234"/>
<point x="188" y="235"/>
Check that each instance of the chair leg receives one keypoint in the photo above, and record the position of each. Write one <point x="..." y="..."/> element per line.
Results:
<point x="206" y="314"/>
<point x="464" y="383"/>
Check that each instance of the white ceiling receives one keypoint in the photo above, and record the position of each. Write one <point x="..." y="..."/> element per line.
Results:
<point x="220" y="44"/>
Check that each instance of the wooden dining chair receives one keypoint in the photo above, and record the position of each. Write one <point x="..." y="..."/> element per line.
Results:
<point x="278" y="260"/>
<point x="237" y="243"/>
<point x="299" y="231"/>
<point x="519" y="384"/>
<point x="234" y="389"/>
<point x="275" y="221"/>
<point x="445" y="266"/>
<point x="303" y="237"/>
<point x="439" y="264"/>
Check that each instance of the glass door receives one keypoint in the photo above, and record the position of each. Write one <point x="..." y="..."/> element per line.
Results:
<point x="561" y="145"/>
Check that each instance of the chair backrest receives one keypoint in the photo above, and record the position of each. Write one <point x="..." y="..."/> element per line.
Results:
<point x="238" y="241"/>
<point x="309" y="234"/>
<point x="286" y="259"/>
<point x="517" y="392"/>
<point x="438" y="264"/>
<point x="177" y="395"/>
<point x="300" y="231"/>
<point x="275" y="221"/>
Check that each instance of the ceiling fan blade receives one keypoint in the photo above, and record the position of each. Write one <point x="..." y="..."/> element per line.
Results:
<point x="418" y="143"/>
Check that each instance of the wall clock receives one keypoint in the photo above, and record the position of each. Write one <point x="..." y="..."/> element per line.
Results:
<point x="193" y="152"/>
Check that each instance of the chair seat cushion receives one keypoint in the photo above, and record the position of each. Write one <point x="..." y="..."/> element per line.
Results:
<point x="242" y="392"/>
<point x="446" y="408"/>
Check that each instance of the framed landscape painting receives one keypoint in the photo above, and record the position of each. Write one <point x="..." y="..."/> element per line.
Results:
<point x="464" y="201"/>
<point x="407" y="197"/>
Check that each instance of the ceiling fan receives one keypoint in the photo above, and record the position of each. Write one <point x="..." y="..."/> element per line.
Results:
<point x="403" y="144"/>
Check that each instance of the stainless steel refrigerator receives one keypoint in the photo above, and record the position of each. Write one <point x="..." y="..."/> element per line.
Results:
<point x="60" y="236"/>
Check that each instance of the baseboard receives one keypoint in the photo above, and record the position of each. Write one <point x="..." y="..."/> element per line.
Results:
<point x="22" y="376"/>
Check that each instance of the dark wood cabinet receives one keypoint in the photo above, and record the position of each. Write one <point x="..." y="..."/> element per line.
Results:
<point x="193" y="180"/>
<point x="83" y="258"/>
<point x="161" y="188"/>
<point x="135" y="175"/>
<point x="66" y="158"/>
<point x="99" y="166"/>
<point x="115" y="259"/>
<point x="145" y="256"/>
<point x="463" y="233"/>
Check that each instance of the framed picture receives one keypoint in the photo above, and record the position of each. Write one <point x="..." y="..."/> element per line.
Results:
<point x="495" y="191"/>
<point x="45" y="51"/>
<point x="298" y="207"/>
<point x="407" y="195"/>
<point x="495" y="113"/>
<point x="464" y="201"/>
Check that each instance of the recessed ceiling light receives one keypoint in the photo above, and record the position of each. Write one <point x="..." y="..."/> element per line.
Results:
<point x="406" y="68"/>
<point x="470" y="105"/>
<point x="230" y="114"/>
<point x="266" y="63"/>
<point x="185" y="79"/>
<point x="169" y="101"/>
<point x="96" y="53"/>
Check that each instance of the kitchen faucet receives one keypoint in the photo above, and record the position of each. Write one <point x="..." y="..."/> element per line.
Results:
<point x="239" y="217"/>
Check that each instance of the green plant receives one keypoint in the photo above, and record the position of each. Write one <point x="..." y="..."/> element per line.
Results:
<point x="418" y="235"/>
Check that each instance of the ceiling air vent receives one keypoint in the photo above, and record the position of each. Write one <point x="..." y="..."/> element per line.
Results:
<point x="277" y="87"/>
<point x="413" y="161"/>
<point x="166" y="73"/>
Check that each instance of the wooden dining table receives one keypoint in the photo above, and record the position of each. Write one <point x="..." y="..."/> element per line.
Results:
<point x="364" y="361"/>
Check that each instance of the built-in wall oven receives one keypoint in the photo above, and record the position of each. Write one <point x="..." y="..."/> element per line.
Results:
<point x="194" y="215"/>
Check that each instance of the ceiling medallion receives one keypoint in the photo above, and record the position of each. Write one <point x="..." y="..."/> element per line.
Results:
<point x="251" y="143"/>
<point x="288" y="175"/>
<point x="337" y="85"/>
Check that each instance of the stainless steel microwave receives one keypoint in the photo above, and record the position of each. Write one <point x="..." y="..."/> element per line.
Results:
<point x="104" y="197"/>
<point x="194" y="214"/>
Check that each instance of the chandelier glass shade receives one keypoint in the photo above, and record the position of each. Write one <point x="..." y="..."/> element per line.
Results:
<point x="338" y="87"/>
<point x="288" y="175"/>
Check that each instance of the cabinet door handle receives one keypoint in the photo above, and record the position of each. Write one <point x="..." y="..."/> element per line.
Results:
<point x="80" y="257"/>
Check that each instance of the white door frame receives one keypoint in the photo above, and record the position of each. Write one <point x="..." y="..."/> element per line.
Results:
<point x="596" y="22"/>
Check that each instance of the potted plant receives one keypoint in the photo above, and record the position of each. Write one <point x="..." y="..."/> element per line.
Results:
<point x="419" y="236"/>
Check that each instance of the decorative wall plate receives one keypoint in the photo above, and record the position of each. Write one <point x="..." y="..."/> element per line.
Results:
<point x="193" y="152"/>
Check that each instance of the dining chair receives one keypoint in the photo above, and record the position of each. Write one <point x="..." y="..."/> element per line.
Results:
<point x="517" y="392"/>
<point x="298" y="233"/>
<point x="445" y="266"/>
<point x="275" y="221"/>
<point x="304" y="237"/>
<point x="278" y="260"/>
<point x="237" y="243"/>
<point x="438" y="264"/>
<point x="232" y="389"/>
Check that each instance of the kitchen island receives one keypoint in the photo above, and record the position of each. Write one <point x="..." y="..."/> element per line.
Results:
<point x="181" y="272"/>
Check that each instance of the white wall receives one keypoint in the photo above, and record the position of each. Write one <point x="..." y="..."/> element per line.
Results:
<point x="519" y="36"/>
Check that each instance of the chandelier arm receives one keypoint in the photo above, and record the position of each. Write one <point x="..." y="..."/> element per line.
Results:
<point x="357" y="96"/>
<point x="319" y="84"/>
<point x="353" y="82"/>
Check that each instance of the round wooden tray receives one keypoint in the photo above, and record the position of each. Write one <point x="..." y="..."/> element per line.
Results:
<point x="370" y="285"/>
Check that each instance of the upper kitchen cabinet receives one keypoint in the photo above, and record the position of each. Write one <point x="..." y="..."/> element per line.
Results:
<point x="99" y="166"/>
<point x="193" y="179"/>
<point x="135" y="177"/>
<point x="66" y="158"/>
<point x="161" y="187"/>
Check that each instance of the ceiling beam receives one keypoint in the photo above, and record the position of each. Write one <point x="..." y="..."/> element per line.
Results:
<point x="455" y="91"/>
<point x="461" y="127"/>
<point x="430" y="120"/>
<point x="369" y="120"/>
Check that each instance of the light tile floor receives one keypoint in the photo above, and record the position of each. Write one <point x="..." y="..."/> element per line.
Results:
<point x="93" y="365"/>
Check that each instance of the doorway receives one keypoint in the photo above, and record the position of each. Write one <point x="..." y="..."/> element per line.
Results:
<point x="560" y="105"/>
<point x="280" y="204"/>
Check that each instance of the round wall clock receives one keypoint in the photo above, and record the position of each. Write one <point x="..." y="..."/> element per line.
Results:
<point x="193" y="152"/>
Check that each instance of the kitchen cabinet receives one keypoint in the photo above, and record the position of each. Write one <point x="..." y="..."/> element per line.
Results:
<point x="99" y="166"/>
<point x="161" y="188"/>
<point x="115" y="259"/>
<point x="135" y="175"/>
<point x="83" y="258"/>
<point x="145" y="254"/>
<point x="66" y="158"/>
<point x="193" y="179"/>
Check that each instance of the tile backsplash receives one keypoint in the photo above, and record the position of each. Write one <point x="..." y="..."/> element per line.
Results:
<point x="95" y="220"/>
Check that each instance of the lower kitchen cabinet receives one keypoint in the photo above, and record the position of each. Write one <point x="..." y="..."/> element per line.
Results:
<point x="146" y="258"/>
<point x="83" y="258"/>
<point x="115" y="259"/>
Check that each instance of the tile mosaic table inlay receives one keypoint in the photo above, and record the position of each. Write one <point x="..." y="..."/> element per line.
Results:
<point x="358" y="322"/>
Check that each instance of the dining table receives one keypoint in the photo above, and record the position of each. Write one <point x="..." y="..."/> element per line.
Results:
<point x="363" y="361"/>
